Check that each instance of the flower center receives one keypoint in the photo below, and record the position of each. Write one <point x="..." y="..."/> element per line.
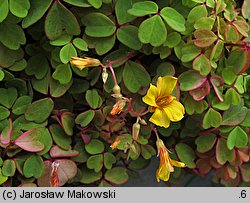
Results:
<point x="164" y="101"/>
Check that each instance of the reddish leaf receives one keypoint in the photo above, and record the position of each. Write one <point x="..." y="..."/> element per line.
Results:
<point x="217" y="82"/>
<point x="29" y="141"/>
<point x="199" y="93"/>
<point x="242" y="27"/>
<point x="57" y="152"/>
<point x="66" y="169"/>
<point x="204" y="38"/>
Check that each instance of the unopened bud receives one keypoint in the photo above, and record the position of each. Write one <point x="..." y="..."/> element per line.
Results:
<point x="143" y="122"/>
<point x="104" y="76"/>
<point x="117" y="89"/>
<point x="135" y="130"/>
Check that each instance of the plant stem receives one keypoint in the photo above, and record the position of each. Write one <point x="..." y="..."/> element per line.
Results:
<point x="155" y="131"/>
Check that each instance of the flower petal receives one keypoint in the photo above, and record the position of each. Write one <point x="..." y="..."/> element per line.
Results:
<point x="175" y="111"/>
<point x="178" y="164"/>
<point x="162" y="174"/>
<point x="160" y="118"/>
<point x="151" y="96"/>
<point x="166" y="85"/>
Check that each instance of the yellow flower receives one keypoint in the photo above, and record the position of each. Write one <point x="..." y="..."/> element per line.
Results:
<point x="166" y="163"/>
<point x="82" y="63"/>
<point x="165" y="106"/>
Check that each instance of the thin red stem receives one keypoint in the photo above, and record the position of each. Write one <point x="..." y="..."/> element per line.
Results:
<point x="155" y="131"/>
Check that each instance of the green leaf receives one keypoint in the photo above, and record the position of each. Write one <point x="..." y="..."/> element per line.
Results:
<point x="189" y="52"/>
<point x="21" y="104"/>
<point x="95" y="3"/>
<point x="11" y="35"/>
<point x="205" y="142"/>
<point x="33" y="166"/>
<point x="80" y="44"/>
<point x="60" y="19"/>
<point x="109" y="160"/>
<point x="197" y="13"/>
<point x="2" y="75"/>
<point x="4" y="113"/>
<point x="204" y="22"/>
<point x="149" y="31"/>
<point x="38" y="70"/>
<point x="121" y="8"/>
<point x="57" y="152"/>
<point x="223" y="154"/>
<point x="237" y="60"/>
<point x="62" y="40"/>
<point x="128" y="35"/>
<point x="102" y="44"/>
<point x="212" y="118"/>
<point x="37" y="10"/>
<point x="89" y="176"/>
<point x="57" y="89"/>
<point x="39" y="110"/>
<point x="8" y="96"/>
<point x="94" y="147"/>
<point x="46" y="140"/>
<point x="143" y="8"/>
<point x="67" y="52"/>
<point x="117" y="175"/>
<point x="173" y="39"/>
<point x="190" y="80"/>
<point x="98" y="25"/>
<point x="228" y="76"/>
<point x="135" y="76"/>
<point x="19" y="8"/>
<point x="246" y="122"/>
<point x="4" y="10"/>
<point x="79" y="3"/>
<point x="85" y="118"/>
<point x="3" y="178"/>
<point x="237" y="138"/>
<point x="63" y="74"/>
<point x="95" y="162"/>
<point x="246" y="9"/>
<point x="9" y="167"/>
<point x="59" y="136"/>
<point x="186" y="154"/>
<point x="232" y="96"/>
<point x="204" y="38"/>
<point x="173" y="18"/>
<point x="202" y="64"/>
<point x="93" y="99"/>
<point x="68" y="122"/>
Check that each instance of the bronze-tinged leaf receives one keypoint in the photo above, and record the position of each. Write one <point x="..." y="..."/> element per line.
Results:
<point x="242" y="27"/>
<point x="204" y="38"/>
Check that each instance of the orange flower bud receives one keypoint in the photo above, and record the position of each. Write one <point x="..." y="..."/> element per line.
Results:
<point x="115" y="143"/>
<point x="118" y="107"/>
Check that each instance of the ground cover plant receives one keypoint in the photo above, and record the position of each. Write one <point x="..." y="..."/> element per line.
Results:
<point x="91" y="90"/>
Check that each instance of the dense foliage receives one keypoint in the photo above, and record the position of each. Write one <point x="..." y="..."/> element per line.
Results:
<point x="73" y="74"/>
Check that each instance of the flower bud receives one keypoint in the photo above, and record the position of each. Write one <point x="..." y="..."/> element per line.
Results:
<point x="115" y="143"/>
<point x="117" y="89"/>
<point x="104" y="76"/>
<point x="82" y="63"/>
<point x="135" y="130"/>
<point x="143" y="122"/>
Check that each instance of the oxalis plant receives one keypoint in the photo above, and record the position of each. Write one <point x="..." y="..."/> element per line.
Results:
<point x="92" y="90"/>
